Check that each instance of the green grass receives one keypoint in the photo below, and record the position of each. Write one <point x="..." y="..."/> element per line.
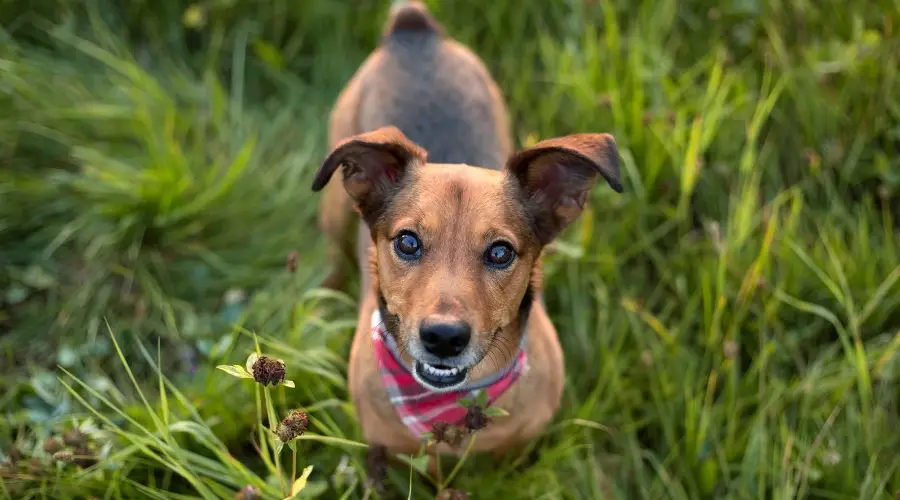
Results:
<point x="730" y="323"/>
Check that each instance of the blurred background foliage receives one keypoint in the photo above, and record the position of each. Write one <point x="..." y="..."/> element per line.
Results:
<point x="731" y="322"/>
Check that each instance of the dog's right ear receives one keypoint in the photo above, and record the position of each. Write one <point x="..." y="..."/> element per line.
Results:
<point x="555" y="177"/>
<point x="374" y="166"/>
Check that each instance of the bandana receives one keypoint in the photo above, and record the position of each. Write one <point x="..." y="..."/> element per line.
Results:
<point x="420" y="408"/>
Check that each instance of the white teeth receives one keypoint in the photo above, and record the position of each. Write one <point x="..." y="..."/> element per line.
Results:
<point x="441" y="372"/>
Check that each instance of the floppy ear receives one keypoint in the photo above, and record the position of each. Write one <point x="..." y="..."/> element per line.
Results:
<point x="556" y="175"/>
<point x="374" y="166"/>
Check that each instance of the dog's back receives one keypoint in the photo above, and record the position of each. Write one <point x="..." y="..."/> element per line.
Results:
<point x="432" y="88"/>
<point x="436" y="91"/>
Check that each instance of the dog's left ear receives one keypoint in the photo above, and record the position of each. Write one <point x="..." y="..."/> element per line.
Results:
<point x="556" y="175"/>
<point x="374" y="166"/>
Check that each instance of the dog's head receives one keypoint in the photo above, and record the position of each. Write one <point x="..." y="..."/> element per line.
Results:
<point x="457" y="247"/>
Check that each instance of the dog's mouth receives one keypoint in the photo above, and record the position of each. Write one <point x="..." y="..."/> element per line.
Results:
<point x="439" y="377"/>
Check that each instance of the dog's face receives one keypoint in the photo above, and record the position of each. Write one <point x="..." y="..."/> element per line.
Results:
<point x="457" y="246"/>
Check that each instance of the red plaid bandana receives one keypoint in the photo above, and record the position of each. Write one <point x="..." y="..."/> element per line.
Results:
<point x="420" y="408"/>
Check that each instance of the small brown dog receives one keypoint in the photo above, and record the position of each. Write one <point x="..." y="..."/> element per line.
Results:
<point x="454" y="224"/>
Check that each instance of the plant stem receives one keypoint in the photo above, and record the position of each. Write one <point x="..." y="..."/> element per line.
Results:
<point x="263" y="441"/>
<point x="437" y="465"/>
<point x="462" y="460"/>
<point x="273" y="426"/>
<point x="294" y="465"/>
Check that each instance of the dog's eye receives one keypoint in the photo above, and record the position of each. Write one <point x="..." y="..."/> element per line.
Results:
<point x="499" y="255"/>
<point x="408" y="246"/>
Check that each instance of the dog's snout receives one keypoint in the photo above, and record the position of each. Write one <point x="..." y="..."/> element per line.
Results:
<point x="444" y="338"/>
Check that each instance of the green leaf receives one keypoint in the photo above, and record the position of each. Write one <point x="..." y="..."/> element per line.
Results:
<point x="16" y="294"/>
<point x="66" y="356"/>
<point x="496" y="412"/>
<point x="251" y="359"/>
<point x="36" y="277"/>
<point x="467" y="401"/>
<point x="288" y="383"/>
<point x="419" y="463"/>
<point x="482" y="399"/>
<point x="568" y="250"/>
<point x="709" y="474"/>
<point x="235" y="371"/>
<point x="194" y="17"/>
<point x="269" y="54"/>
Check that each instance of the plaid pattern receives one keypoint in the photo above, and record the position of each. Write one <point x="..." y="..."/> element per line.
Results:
<point x="420" y="408"/>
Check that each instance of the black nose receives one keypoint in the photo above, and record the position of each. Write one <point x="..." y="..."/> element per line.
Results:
<point x="445" y="339"/>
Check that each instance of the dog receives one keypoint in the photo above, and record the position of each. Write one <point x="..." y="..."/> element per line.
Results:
<point x="451" y="225"/>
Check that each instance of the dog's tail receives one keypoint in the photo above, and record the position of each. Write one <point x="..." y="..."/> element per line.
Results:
<point x="411" y="16"/>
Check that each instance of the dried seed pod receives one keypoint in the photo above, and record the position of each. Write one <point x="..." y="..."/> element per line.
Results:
<point x="451" y="494"/>
<point x="14" y="454"/>
<point x="73" y="437"/>
<point x="450" y="434"/>
<point x="293" y="426"/>
<point x="52" y="446"/>
<point x="248" y="492"/>
<point x="439" y="431"/>
<point x="268" y="371"/>
<point x="476" y="419"/>
<point x="293" y="261"/>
